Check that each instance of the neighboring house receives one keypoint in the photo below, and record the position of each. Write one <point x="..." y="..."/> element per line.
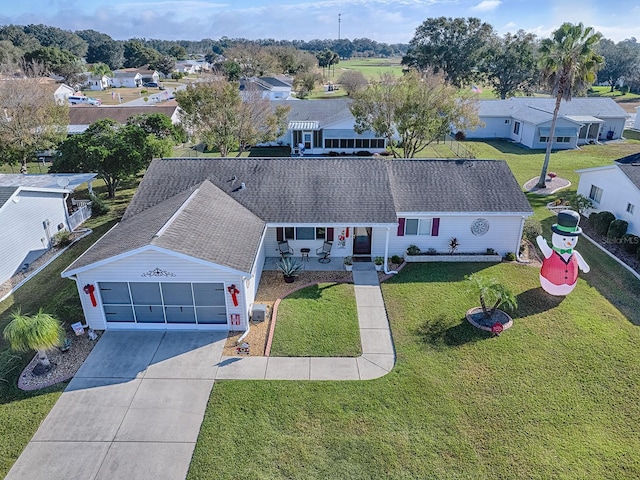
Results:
<point x="33" y="208"/>
<point x="60" y="91"/>
<point x="191" y="247"/>
<point x="149" y="75"/>
<point x="636" y="124"/>
<point x="81" y="117"/>
<point x="615" y="188"/>
<point x="127" y="77"/>
<point x="326" y="126"/>
<point x="271" y="88"/>
<point x="527" y="120"/>
<point x="96" y="82"/>
<point x="187" y="66"/>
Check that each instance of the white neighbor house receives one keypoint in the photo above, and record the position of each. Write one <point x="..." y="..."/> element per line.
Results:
<point x="527" y="120"/>
<point x="33" y="208"/>
<point x="97" y="82"/>
<point x="615" y="188"/>
<point x="200" y="229"/>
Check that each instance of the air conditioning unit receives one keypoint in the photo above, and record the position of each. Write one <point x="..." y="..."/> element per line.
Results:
<point x="258" y="312"/>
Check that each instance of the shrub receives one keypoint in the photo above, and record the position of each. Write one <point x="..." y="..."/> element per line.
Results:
<point x="453" y="245"/>
<point x="491" y="251"/>
<point x="593" y="218"/>
<point x="431" y="251"/>
<point x="460" y="136"/>
<point x="624" y="89"/>
<point x="617" y="229"/>
<point x="98" y="206"/>
<point x="630" y="243"/>
<point x="363" y="153"/>
<point x="531" y="229"/>
<point x="62" y="238"/>
<point x="580" y="203"/>
<point x="602" y="222"/>
<point x="413" y="250"/>
<point x="396" y="259"/>
<point x="510" y="257"/>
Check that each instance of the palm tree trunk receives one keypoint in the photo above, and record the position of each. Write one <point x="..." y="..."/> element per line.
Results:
<point x="552" y="132"/>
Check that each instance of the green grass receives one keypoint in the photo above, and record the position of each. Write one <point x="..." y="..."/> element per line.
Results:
<point x="22" y="412"/>
<point x="371" y="68"/>
<point x="616" y="94"/>
<point x="318" y="321"/>
<point x="189" y="151"/>
<point x="554" y="397"/>
<point x="631" y="134"/>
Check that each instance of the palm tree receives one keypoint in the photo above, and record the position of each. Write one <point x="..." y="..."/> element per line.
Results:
<point x="568" y="61"/>
<point x="491" y="292"/>
<point x="40" y="332"/>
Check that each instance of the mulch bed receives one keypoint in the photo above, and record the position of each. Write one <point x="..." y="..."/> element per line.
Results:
<point x="615" y="248"/>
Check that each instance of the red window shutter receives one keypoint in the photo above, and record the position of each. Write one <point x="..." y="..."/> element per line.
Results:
<point x="329" y="234"/>
<point x="435" y="227"/>
<point x="280" y="234"/>
<point x="401" y="227"/>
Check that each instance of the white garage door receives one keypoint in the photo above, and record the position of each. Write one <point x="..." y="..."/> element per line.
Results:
<point x="156" y="305"/>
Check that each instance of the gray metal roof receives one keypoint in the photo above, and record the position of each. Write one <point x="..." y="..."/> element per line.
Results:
<point x="630" y="165"/>
<point x="455" y="186"/>
<point x="6" y="193"/>
<point x="68" y="181"/>
<point x="538" y="110"/>
<point x="202" y="228"/>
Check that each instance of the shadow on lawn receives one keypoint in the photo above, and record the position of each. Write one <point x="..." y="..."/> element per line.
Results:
<point x="534" y="301"/>
<point x="312" y="292"/>
<point x="439" y="333"/>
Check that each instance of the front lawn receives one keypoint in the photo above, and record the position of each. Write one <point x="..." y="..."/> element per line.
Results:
<point x="318" y="321"/>
<point x="555" y="396"/>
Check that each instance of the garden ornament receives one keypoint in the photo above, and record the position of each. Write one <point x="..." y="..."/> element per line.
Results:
<point x="559" y="272"/>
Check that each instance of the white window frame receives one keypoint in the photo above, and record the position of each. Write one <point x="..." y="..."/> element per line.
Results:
<point x="595" y="193"/>
<point x="423" y="228"/>
<point x="631" y="208"/>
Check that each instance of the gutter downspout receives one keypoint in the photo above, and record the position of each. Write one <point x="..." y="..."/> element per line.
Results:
<point x="246" y="332"/>
<point x="520" y="242"/>
<point x="386" y="255"/>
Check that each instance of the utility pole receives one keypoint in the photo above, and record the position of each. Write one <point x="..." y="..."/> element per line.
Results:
<point x="339" y="26"/>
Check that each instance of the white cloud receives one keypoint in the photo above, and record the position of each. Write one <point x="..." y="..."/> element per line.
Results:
<point x="486" y="5"/>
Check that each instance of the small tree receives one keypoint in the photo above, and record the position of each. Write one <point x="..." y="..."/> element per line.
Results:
<point x="40" y="332"/>
<point x="580" y="203"/>
<point x="491" y="292"/>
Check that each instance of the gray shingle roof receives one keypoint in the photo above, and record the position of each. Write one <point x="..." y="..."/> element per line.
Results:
<point x="630" y="165"/>
<point x="537" y="110"/>
<point x="455" y="186"/>
<point x="86" y="114"/>
<point x="223" y="223"/>
<point x="5" y="194"/>
<point x="280" y="190"/>
<point x="202" y="228"/>
<point x="325" y="112"/>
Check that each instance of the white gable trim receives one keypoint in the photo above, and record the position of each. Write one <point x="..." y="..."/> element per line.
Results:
<point x="464" y="214"/>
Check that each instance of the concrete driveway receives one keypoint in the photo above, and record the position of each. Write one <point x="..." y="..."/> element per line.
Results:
<point x="133" y="410"/>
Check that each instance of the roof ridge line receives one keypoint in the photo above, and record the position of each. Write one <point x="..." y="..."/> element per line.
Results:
<point x="176" y="214"/>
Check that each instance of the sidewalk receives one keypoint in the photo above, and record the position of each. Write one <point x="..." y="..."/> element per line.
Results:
<point x="377" y="359"/>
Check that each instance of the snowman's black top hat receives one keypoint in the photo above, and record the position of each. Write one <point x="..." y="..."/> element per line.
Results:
<point x="567" y="224"/>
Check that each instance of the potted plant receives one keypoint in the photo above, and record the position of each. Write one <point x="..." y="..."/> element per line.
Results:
<point x="290" y="268"/>
<point x="492" y="294"/>
<point x="348" y="263"/>
<point x="378" y="262"/>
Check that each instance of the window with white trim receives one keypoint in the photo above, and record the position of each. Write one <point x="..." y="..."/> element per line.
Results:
<point x="631" y="208"/>
<point x="595" y="194"/>
<point x="418" y="226"/>
<point x="516" y="128"/>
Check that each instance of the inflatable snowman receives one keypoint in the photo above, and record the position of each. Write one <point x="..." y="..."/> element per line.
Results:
<point x="559" y="272"/>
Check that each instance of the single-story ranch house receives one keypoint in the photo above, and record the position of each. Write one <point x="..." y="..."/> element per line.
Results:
<point x="82" y="116"/>
<point x="615" y="188"/>
<point x="192" y="245"/>
<point x="527" y="120"/>
<point x="325" y="127"/>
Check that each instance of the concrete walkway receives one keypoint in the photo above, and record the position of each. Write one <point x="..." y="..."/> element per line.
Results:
<point x="377" y="359"/>
<point x="134" y="409"/>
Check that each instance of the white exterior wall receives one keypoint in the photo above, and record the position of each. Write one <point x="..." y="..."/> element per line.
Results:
<point x="495" y="127"/>
<point x="23" y="230"/>
<point x="615" y="124"/>
<point x="636" y="124"/>
<point x="503" y="235"/>
<point x="617" y="192"/>
<point x="131" y="269"/>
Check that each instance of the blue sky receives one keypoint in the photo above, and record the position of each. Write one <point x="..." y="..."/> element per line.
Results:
<point x="390" y="21"/>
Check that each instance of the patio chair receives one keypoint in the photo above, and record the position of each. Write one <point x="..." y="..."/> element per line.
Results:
<point x="323" y="252"/>
<point x="285" y="249"/>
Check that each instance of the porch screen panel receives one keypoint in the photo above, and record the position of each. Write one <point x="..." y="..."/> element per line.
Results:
<point x="178" y="302"/>
<point x="118" y="313"/>
<point x="114" y="293"/>
<point x="317" y="138"/>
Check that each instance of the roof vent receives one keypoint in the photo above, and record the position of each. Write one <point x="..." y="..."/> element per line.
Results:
<point x="635" y="164"/>
<point x="241" y="187"/>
